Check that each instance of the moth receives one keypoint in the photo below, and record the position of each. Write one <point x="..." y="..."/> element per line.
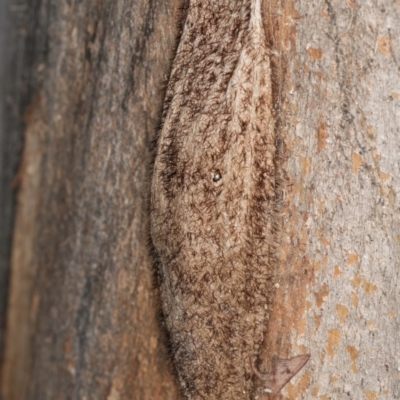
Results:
<point x="213" y="201"/>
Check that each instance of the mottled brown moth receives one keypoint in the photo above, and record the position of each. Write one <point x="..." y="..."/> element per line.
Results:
<point x="213" y="201"/>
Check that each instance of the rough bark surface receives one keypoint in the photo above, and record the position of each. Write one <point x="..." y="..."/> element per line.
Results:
<point x="12" y="95"/>
<point x="82" y="312"/>
<point x="82" y="316"/>
<point x="338" y="295"/>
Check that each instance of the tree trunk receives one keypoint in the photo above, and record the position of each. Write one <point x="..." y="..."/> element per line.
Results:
<point x="12" y="97"/>
<point x="82" y="314"/>
<point x="338" y="295"/>
<point x="82" y="317"/>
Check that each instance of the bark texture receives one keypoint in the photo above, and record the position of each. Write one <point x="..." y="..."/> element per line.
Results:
<point x="82" y="311"/>
<point x="338" y="295"/>
<point x="12" y="97"/>
<point x="82" y="316"/>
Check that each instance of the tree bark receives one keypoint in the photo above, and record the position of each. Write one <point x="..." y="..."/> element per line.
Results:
<point x="337" y="295"/>
<point x="82" y="315"/>
<point x="12" y="97"/>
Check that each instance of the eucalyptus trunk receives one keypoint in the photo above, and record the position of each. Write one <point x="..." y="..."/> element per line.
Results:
<point x="83" y="312"/>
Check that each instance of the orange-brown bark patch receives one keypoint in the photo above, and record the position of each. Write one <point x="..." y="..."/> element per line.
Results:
<point x="322" y="135"/>
<point x="356" y="162"/>
<point x="353" y="353"/>
<point x="314" y="53"/>
<point x="356" y="281"/>
<point x="352" y="258"/>
<point x="342" y="312"/>
<point x="336" y="271"/>
<point x="354" y="299"/>
<point x="384" y="45"/>
<point x="319" y="296"/>
<point x="369" y="287"/>
<point x="332" y="341"/>
<point x="370" y="395"/>
<point x="294" y="391"/>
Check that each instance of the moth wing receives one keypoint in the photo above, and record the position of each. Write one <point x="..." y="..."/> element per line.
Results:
<point x="284" y="370"/>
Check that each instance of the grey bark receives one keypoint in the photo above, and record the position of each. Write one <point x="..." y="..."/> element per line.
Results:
<point x="339" y="293"/>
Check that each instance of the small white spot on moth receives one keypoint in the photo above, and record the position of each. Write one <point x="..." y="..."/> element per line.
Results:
<point x="217" y="175"/>
<point x="266" y="390"/>
<point x="277" y="285"/>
